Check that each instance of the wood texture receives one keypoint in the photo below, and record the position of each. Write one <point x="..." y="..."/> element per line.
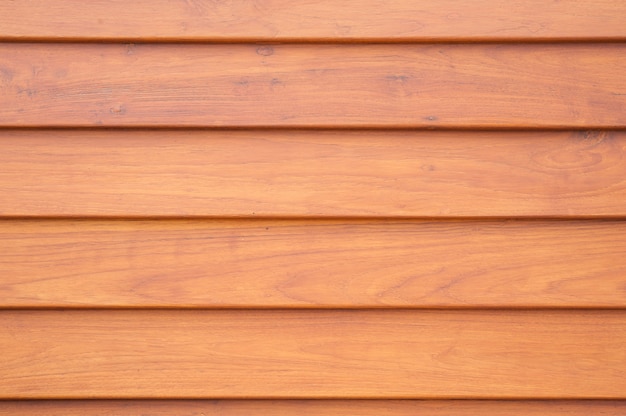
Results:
<point x="313" y="264"/>
<point x="407" y="86"/>
<point x="312" y="408"/>
<point x="312" y="174"/>
<point x="319" y="20"/>
<point x="211" y="206"/>
<point x="313" y="354"/>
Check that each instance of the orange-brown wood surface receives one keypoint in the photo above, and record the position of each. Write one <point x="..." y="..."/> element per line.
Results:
<point x="312" y="408"/>
<point x="313" y="207"/>
<point x="410" y="86"/>
<point x="313" y="354"/>
<point x="318" y="173"/>
<point x="317" y="20"/>
<point x="313" y="264"/>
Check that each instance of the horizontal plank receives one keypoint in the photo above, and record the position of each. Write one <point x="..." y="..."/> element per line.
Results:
<point x="313" y="354"/>
<point x="312" y="407"/>
<point x="312" y="174"/>
<point x="406" y="86"/>
<point x="317" y="20"/>
<point x="312" y="264"/>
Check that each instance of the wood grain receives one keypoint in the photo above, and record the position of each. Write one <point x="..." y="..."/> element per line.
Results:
<point x="312" y="174"/>
<point x="399" y="86"/>
<point x="313" y="264"/>
<point x="312" y="407"/>
<point x="313" y="354"/>
<point x="318" y="20"/>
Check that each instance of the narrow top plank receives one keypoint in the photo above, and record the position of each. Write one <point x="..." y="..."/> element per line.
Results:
<point x="317" y="20"/>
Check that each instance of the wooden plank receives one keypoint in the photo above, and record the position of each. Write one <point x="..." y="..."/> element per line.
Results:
<point x="313" y="354"/>
<point x="399" y="86"/>
<point x="313" y="264"/>
<point x="312" y="174"/>
<point x="312" y="407"/>
<point x="318" y="20"/>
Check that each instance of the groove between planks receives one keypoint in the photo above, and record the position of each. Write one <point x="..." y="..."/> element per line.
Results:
<point x="307" y="21"/>
<point x="521" y="86"/>
<point x="57" y="173"/>
<point x="313" y="354"/>
<point x="312" y="407"/>
<point x="312" y="264"/>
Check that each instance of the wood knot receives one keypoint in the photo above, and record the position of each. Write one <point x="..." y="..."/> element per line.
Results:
<point x="265" y="51"/>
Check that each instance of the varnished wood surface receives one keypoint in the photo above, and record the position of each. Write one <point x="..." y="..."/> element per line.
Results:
<point x="281" y="220"/>
<point x="312" y="408"/>
<point x="312" y="174"/>
<point x="313" y="354"/>
<point x="313" y="264"/>
<point x="408" y="86"/>
<point x="318" y="20"/>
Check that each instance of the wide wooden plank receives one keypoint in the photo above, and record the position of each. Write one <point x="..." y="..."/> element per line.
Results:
<point x="312" y="407"/>
<point x="309" y="173"/>
<point x="408" y="86"/>
<point x="317" y="20"/>
<point x="313" y="354"/>
<point x="312" y="264"/>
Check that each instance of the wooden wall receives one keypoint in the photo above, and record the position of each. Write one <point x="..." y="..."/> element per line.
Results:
<point x="313" y="208"/>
